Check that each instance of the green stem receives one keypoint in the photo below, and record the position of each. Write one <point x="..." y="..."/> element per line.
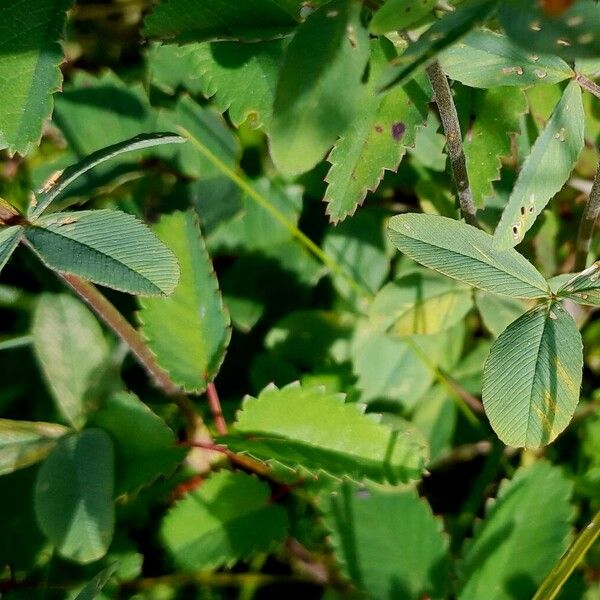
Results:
<point x="264" y="203"/>
<point x="587" y="225"/>
<point x="458" y="163"/>
<point x="555" y="580"/>
<point x="16" y="342"/>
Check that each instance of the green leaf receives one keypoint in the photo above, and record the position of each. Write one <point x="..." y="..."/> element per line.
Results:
<point x="486" y="59"/>
<point x="189" y="331"/>
<point x="29" y="70"/>
<point x="107" y="247"/>
<point x="94" y="587"/>
<point x="329" y="53"/>
<point x="184" y="21"/>
<point x="145" y="447"/>
<point x="395" y="15"/>
<point x="247" y="92"/>
<point x="545" y="170"/>
<point x="498" y="312"/>
<point x="377" y="139"/>
<point x="47" y="194"/>
<point x="497" y="114"/>
<point x="301" y="427"/>
<point x="530" y="511"/>
<point x="441" y="35"/>
<point x="388" y="542"/>
<point x="419" y="303"/>
<point x="573" y="34"/>
<point x="9" y="240"/>
<point x="584" y="287"/>
<point x="229" y="518"/>
<point x="24" y="443"/>
<point x="71" y="351"/>
<point x="74" y="496"/>
<point x="532" y="378"/>
<point x="172" y="68"/>
<point x="467" y="254"/>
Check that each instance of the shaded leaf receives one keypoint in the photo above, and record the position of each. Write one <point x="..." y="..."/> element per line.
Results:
<point x="532" y="378"/>
<point x="583" y="288"/>
<point x="24" y="443"/>
<point x="74" y="496"/>
<point x="9" y="240"/>
<point x="229" y="87"/>
<point x="94" y="587"/>
<point x="486" y="59"/>
<point x="189" y="330"/>
<point x="441" y="35"/>
<point x="145" y="447"/>
<point x="29" y="69"/>
<point x="229" y="518"/>
<point x="467" y="254"/>
<point x="300" y="427"/>
<point x="377" y="139"/>
<point x="184" y="21"/>
<point x="497" y="114"/>
<point x="107" y="247"/>
<point x="395" y="15"/>
<point x="308" y="115"/>
<point x="498" y="312"/>
<point x="71" y="351"/>
<point x="499" y="564"/>
<point x="388" y="542"/>
<point x="545" y="170"/>
<point x="47" y="194"/>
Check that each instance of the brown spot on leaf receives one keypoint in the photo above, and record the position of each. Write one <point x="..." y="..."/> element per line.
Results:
<point x="378" y="128"/>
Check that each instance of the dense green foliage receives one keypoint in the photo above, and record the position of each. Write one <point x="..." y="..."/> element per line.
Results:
<point x="346" y="344"/>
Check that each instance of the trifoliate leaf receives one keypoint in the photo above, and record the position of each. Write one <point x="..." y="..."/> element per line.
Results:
<point x="229" y="518"/>
<point x="302" y="427"/>
<point x="189" y="330"/>
<point x="74" y="496"/>
<point x="29" y="70"/>
<point x="465" y="253"/>
<point x="387" y="542"/>
<point x="545" y="170"/>
<point x="107" y="247"/>
<point x="531" y="511"/>
<point x="72" y="351"/>
<point x="532" y="378"/>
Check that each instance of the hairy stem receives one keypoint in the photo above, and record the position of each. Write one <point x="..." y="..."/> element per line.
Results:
<point x="215" y="407"/>
<point x="563" y="569"/>
<point x="588" y="85"/>
<point x="587" y="224"/>
<point x="456" y="154"/>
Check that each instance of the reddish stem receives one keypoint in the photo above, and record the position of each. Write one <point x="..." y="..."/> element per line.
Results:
<point x="215" y="407"/>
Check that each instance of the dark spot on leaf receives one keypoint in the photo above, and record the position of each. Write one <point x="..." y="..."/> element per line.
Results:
<point x="398" y="130"/>
<point x="378" y="128"/>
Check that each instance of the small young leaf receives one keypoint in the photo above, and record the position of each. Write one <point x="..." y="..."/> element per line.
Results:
<point x="545" y="170"/>
<point x="441" y="35"/>
<point x="71" y="350"/>
<point x="23" y="443"/>
<point x="420" y="303"/>
<point x="498" y="312"/>
<point x="377" y="139"/>
<point x="94" y="587"/>
<point x="388" y="542"/>
<point x="467" y="254"/>
<point x="29" y="70"/>
<point x="74" y="496"/>
<point x="499" y="564"/>
<point x="47" y="194"/>
<point x="399" y="14"/>
<point x="9" y="240"/>
<point x="573" y="34"/>
<point x="532" y="378"/>
<point x="584" y="287"/>
<point x="145" y="447"/>
<point x="486" y="59"/>
<point x="246" y="92"/>
<point x="184" y="21"/>
<point x="308" y="115"/>
<point x="229" y="518"/>
<point x="189" y="331"/>
<point x="301" y="427"/>
<point x="107" y="247"/>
